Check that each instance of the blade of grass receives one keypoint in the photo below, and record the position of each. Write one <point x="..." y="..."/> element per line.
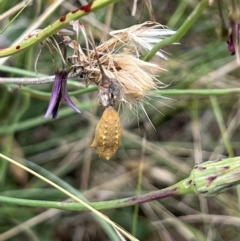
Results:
<point x="39" y="120"/>
<point x="66" y="186"/>
<point x="198" y="10"/>
<point x="100" y="215"/>
<point x="218" y="115"/>
<point x="139" y="189"/>
<point x="25" y="4"/>
<point x="20" y="105"/>
<point x="174" y="20"/>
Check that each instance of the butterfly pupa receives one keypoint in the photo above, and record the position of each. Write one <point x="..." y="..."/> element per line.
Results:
<point x="108" y="133"/>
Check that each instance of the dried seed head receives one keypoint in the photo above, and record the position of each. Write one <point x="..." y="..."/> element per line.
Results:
<point x="135" y="76"/>
<point x="108" y="134"/>
<point x="138" y="39"/>
<point x="115" y="65"/>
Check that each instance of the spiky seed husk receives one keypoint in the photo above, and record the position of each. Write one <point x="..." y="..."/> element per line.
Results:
<point x="108" y="134"/>
<point x="213" y="177"/>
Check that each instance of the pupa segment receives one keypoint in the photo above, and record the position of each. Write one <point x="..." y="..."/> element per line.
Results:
<point x="108" y="133"/>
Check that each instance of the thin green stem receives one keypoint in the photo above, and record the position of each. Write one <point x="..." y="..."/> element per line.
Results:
<point x="220" y="121"/>
<point x="45" y="95"/>
<point x="34" y="193"/>
<point x="139" y="189"/>
<point x="16" y="16"/>
<point x="219" y="3"/>
<point x="181" y="32"/>
<point x="176" y="189"/>
<point x="196" y="131"/>
<point x="169" y="92"/>
<point x="199" y="92"/>
<point x="39" y="120"/>
<point x="174" y="20"/>
<point x="207" y="179"/>
<point x="4" y="99"/>
<point x="14" y="70"/>
<point x="18" y="108"/>
<point x="55" y="27"/>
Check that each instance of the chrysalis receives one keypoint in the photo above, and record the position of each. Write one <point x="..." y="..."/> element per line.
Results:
<point x="108" y="133"/>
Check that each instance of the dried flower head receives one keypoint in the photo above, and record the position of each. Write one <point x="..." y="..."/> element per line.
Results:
<point x="119" y="59"/>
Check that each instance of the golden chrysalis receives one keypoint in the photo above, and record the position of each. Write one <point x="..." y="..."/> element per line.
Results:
<point x="108" y="133"/>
